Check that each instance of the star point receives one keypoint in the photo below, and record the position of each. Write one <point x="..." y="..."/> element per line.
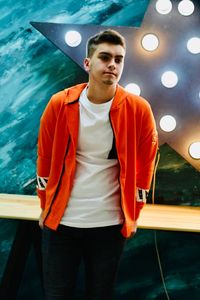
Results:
<point x="145" y="68"/>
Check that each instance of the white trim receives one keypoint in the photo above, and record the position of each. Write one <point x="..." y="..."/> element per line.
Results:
<point x="41" y="182"/>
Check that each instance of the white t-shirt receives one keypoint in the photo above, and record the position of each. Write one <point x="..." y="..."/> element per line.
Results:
<point x="95" y="196"/>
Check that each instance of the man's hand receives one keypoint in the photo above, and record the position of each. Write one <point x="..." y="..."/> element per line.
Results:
<point x="134" y="228"/>
<point x="41" y="220"/>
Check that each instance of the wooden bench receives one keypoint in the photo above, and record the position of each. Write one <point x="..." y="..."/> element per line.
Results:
<point x="153" y="216"/>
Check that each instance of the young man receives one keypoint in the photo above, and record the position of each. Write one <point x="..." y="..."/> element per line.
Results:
<point x="96" y="149"/>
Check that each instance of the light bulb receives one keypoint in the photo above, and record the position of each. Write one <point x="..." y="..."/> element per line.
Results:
<point x="194" y="150"/>
<point x="169" y="79"/>
<point x="167" y="123"/>
<point x="150" y="42"/>
<point x="73" y="38"/>
<point x="186" y="7"/>
<point x="163" y="6"/>
<point x="193" y="45"/>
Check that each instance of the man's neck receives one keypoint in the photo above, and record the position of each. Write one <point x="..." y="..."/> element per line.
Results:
<point x="100" y="95"/>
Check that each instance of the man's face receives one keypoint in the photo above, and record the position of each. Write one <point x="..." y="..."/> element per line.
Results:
<point x="106" y="64"/>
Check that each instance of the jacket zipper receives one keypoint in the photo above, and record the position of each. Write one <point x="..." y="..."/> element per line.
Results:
<point x="119" y="167"/>
<point x="61" y="173"/>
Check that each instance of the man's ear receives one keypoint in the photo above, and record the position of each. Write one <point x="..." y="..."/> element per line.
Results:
<point x="87" y="64"/>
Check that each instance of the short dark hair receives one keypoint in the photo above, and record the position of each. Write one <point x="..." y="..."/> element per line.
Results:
<point x="106" y="36"/>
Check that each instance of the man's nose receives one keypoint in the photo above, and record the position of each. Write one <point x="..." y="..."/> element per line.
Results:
<point x="112" y="64"/>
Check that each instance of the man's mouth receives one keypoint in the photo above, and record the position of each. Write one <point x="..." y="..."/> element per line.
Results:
<point x="110" y="73"/>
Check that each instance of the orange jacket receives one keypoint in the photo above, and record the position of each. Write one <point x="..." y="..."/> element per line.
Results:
<point x="136" y="144"/>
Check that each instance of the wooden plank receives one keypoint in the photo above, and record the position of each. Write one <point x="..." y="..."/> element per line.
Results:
<point x="19" y="207"/>
<point x="153" y="216"/>
<point x="170" y="217"/>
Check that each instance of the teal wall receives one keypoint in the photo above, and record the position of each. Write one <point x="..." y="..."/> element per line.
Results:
<point x="32" y="69"/>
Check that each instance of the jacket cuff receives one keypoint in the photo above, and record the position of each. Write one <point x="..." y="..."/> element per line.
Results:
<point x="42" y="196"/>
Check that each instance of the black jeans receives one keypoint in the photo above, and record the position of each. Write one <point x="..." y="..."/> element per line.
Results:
<point x="100" y="248"/>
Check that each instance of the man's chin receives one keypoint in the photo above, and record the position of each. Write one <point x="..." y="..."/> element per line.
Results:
<point x="108" y="82"/>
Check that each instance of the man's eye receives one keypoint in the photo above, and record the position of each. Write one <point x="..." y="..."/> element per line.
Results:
<point x="104" y="57"/>
<point x="118" y="60"/>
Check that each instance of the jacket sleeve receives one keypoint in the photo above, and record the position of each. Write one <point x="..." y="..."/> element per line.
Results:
<point x="147" y="149"/>
<point x="44" y="150"/>
<point x="146" y="152"/>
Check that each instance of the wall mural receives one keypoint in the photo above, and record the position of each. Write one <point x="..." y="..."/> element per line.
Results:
<point x="32" y="69"/>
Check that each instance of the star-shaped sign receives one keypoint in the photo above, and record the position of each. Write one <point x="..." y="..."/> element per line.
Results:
<point x="147" y="68"/>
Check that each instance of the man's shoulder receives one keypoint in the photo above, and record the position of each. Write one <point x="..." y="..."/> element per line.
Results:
<point x="68" y="94"/>
<point x="132" y="98"/>
<point x="137" y="101"/>
<point x="58" y="97"/>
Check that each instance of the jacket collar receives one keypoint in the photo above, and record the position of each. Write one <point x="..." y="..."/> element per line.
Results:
<point x="73" y="93"/>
